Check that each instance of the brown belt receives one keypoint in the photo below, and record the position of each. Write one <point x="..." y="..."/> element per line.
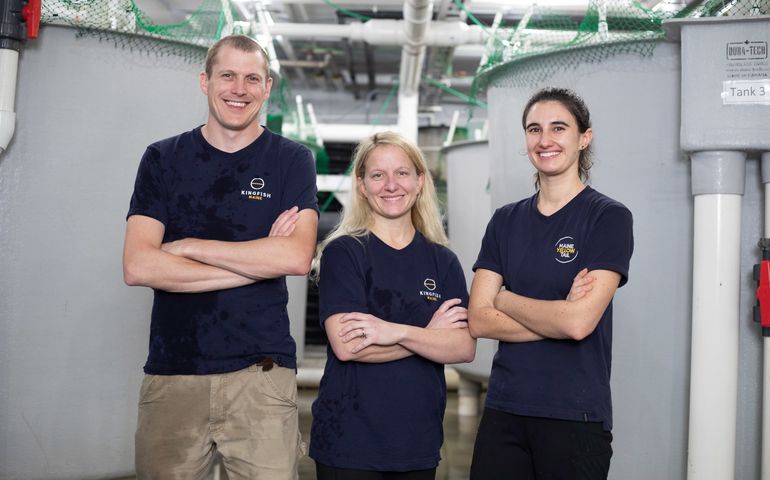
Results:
<point x="266" y="364"/>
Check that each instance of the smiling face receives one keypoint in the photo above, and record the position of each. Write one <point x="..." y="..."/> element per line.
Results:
<point x="390" y="183"/>
<point x="554" y="140"/>
<point x="236" y="89"/>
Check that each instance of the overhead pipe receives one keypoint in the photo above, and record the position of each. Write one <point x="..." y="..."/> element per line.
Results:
<point x="386" y="32"/>
<point x="718" y="179"/>
<point x="308" y="63"/>
<point x="438" y="34"/>
<point x="351" y="133"/>
<point x="565" y="7"/>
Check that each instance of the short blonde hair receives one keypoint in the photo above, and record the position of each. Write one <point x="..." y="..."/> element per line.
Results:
<point x="357" y="218"/>
<point x="238" y="42"/>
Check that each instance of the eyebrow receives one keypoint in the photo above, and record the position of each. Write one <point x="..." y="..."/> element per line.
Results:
<point x="557" y="122"/>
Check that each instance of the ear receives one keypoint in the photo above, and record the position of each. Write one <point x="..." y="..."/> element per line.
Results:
<point x="361" y="187"/>
<point x="204" y="83"/>
<point x="585" y="139"/>
<point x="268" y="87"/>
<point x="420" y="182"/>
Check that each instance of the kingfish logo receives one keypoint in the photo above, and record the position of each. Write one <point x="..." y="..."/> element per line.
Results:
<point x="254" y="192"/>
<point x="566" y="250"/>
<point x="430" y="294"/>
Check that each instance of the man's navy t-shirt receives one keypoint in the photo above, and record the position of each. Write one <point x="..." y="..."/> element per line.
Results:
<point x="538" y="256"/>
<point x="198" y="191"/>
<point x="383" y="416"/>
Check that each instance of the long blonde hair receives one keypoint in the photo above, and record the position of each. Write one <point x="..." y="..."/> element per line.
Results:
<point x="357" y="218"/>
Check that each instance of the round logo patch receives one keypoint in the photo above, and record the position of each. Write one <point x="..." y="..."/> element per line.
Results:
<point x="566" y="250"/>
<point x="257" y="183"/>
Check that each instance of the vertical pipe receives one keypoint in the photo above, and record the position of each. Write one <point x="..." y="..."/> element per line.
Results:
<point x="417" y="16"/>
<point x="407" y="115"/>
<point x="765" y="460"/>
<point x="9" y="64"/>
<point x="300" y="118"/>
<point x="718" y="180"/>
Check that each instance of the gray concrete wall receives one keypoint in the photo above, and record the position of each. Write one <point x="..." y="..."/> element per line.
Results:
<point x="635" y="107"/>
<point x="74" y="337"/>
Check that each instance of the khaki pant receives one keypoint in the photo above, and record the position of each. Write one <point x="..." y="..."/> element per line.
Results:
<point x="249" y="416"/>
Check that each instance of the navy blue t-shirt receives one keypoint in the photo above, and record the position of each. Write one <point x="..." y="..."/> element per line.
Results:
<point x="383" y="416"/>
<point x="198" y="191"/>
<point x="538" y="256"/>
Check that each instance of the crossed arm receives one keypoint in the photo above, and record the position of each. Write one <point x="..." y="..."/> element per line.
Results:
<point x="194" y="265"/>
<point x="365" y="338"/>
<point x="506" y="316"/>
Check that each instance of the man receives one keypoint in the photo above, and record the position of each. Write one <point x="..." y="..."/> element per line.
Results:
<point x="219" y="216"/>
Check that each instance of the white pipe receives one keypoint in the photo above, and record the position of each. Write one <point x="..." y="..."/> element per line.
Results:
<point x="265" y="38"/>
<point x="384" y="32"/>
<point x="718" y="180"/>
<point x="564" y="7"/>
<point x="300" y="118"/>
<point x="314" y="124"/>
<point x="9" y="65"/>
<point x="438" y="34"/>
<point x="417" y="16"/>
<point x="450" y="135"/>
<point x="407" y="115"/>
<point x="354" y="133"/>
<point x="765" y="458"/>
<point x="715" y="321"/>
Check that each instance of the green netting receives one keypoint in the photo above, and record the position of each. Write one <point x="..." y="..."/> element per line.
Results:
<point x="609" y="27"/>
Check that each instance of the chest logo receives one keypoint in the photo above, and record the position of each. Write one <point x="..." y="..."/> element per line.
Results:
<point x="429" y="293"/>
<point x="254" y="192"/>
<point x="257" y="183"/>
<point x="566" y="250"/>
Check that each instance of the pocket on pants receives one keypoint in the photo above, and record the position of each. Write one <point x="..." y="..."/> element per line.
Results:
<point x="282" y="383"/>
<point x="149" y="391"/>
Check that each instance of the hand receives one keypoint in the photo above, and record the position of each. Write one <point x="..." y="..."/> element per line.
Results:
<point x="450" y="315"/>
<point x="368" y="330"/>
<point x="581" y="285"/>
<point x="283" y="226"/>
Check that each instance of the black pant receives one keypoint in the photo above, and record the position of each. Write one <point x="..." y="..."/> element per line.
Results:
<point x="514" y="447"/>
<point x="325" y="472"/>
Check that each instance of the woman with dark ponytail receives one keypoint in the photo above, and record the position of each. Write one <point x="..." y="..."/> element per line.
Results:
<point x="560" y="254"/>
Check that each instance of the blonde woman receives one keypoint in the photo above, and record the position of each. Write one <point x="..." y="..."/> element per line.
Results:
<point x="393" y="303"/>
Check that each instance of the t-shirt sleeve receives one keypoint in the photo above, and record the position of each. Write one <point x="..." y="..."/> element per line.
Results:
<point x="341" y="285"/>
<point x="489" y="255"/>
<point x="300" y="185"/>
<point x="611" y="243"/>
<point x="149" y="197"/>
<point x="455" y="281"/>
